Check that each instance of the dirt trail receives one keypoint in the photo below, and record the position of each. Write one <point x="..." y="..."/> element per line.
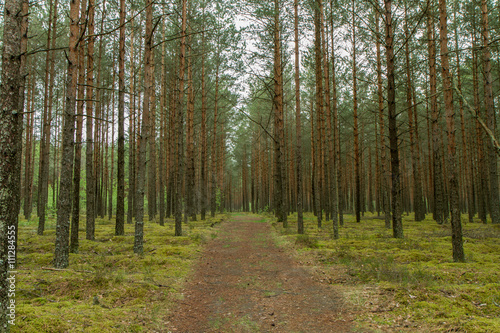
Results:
<point x="245" y="283"/>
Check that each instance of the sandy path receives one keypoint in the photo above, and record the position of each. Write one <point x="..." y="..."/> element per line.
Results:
<point x="245" y="283"/>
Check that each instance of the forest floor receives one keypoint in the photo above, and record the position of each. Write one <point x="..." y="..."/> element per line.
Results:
<point x="403" y="285"/>
<point x="247" y="273"/>
<point x="106" y="288"/>
<point x="244" y="282"/>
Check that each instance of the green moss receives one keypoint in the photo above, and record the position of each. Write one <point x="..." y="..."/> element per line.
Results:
<point x="107" y="288"/>
<point x="414" y="280"/>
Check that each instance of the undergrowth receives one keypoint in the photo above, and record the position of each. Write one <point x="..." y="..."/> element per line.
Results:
<point x="107" y="288"/>
<point x="409" y="284"/>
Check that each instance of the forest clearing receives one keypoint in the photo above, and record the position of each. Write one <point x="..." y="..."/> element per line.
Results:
<point x="294" y="165"/>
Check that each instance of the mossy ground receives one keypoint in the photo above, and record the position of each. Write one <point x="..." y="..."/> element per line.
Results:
<point x="106" y="288"/>
<point x="409" y="284"/>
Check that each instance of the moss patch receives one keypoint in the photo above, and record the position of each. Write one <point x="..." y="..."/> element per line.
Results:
<point x="107" y="288"/>
<point x="408" y="284"/>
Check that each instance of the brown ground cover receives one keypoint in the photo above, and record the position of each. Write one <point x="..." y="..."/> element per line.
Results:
<point x="244" y="282"/>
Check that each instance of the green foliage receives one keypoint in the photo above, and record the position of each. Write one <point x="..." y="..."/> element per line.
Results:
<point x="106" y="288"/>
<point x="411" y="282"/>
<point x="218" y="198"/>
<point x="306" y="241"/>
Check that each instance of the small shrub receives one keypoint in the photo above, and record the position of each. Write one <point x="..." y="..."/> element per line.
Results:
<point x="198" y="238"/>
<point x="306" y="241"/>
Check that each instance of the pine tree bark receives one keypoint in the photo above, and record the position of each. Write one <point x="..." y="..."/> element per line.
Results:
<point x="131" y="131"/>
<point x="456" y="224"/>
<point x="213" y="154"/>
<point x="298" y="129"/>
<point x="319" y="111"/>
<point x="180" y="124"/>
<point x="490" y="116"/>
<point x="412" y="110"/>
<point x="357" y="157"/>
<point x="163" y="155"/>
<point x="61" y="257"/>
<point x="469" y="193"/>
<point x="89" y="154"/>
<point x="203" y="134"/>
<point x="384" y="188"/>
<point x="151" y="174"/>
<point x="397" y="225"/>
<point x="120" y="168"/>
<point x="436" y="132"/>
<point x="10" y="132"/>
<point x="29" y="155"/>
<point x="190" y="167"/>
<point x="75" y="218"/>
<point x="481" y="182"/>
<point x="99" y="129"/>
<point x="330" y="160"/>
<point x="111" y="142"/>
<point x="19" y="140"/>
<point x="172" y="165"/>
<point x="43" y="176"/>
<point x="144" y="136"/>
<point x="279" y="172"/>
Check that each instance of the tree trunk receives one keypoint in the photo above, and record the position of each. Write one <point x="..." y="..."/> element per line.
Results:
<point x="75" y="220"/>
<point x="172" y="130"/>
<point x="469" y="193"/>
<point x="213" y="156"/>
<point x="203" y="134"/>
<point x="29" y="154"/>
<point x="120" y="168"/>
<point x="131" y="130"/>
<point x="436" y="131"/>
<point x="357" y="157"/>
<point x="151" y="174"/>
<point x="481" y="182"/>
<point x="279" y="172"/>
<point x="144" y="136"/>
<point x="490" y="116"/>
<point x="384" y="188"/>
<point x="397" y="225"/>
<point x="43" y="175"/>
<point x="298" y="130"/>
<point x="61" y="258"/>
<point x="162" y="156"/>
<point x="319" y="110"/>
<point x="190" y="167"/>
<point x="89" y="160"/>
<point x="10" y="131"/>
<point x="456" y="224"/>
<point x="180" y="124"/>
<point x="412" y="111"/>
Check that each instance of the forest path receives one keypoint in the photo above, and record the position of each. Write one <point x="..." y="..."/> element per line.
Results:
<point x="243" y="282"/>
